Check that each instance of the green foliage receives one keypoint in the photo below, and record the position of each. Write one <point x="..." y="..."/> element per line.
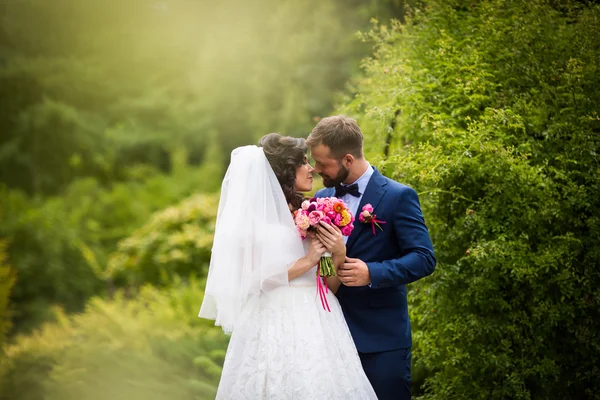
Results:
<point x="490" y="111"/>
<point x="93" y="88"/>
<point x="60" y="246"/>
<point x="45" y="251"/>
<point x="7" y="280"/>
<point x="175" y="242"/>
<point x="149" y="347"/>
<point x="98" y="101"/>
<point x="107" y="216"/>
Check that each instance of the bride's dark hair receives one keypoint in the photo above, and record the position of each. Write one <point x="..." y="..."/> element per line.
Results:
<point x="285" y="154"/>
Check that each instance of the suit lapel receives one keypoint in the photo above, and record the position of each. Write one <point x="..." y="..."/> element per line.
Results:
<point x="373" y="195"/>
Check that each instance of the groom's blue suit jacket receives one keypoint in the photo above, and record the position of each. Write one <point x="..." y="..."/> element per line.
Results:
<point x="377" y="315"/>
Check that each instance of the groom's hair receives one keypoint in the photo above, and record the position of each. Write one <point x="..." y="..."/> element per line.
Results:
<point x="341" y="134"/>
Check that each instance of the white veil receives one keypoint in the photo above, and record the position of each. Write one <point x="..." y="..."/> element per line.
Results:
<point x="256" y="241"/>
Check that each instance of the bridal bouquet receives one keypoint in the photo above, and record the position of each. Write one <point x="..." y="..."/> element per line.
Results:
<point x="329" y="210"/>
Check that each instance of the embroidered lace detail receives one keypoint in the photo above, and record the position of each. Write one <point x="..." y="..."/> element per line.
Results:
<point x="287" y="347"/>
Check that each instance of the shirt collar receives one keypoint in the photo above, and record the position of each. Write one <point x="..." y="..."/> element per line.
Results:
<point x="363" y="181"/>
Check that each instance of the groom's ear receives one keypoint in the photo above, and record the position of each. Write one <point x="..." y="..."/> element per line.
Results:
<point x="348" y="160"/>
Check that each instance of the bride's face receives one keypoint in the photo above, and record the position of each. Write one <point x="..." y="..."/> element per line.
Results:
<point x="304" y="178"/>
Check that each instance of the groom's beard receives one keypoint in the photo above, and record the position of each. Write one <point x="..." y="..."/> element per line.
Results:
<point x="341" y="176"/>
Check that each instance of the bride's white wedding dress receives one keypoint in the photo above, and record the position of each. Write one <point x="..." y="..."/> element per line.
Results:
<point x="286" y="346"/>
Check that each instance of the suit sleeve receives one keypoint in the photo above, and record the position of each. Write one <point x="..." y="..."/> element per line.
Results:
<point x="416" y="259"/>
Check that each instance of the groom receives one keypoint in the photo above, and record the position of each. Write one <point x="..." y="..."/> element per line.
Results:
<point x="378" y="265"/>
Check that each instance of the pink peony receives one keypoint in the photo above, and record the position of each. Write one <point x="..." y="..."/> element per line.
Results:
<point x="338" y="219"/>
<point x="302" y="221"/>
<point x="364" y="215"/>
<point x="368" y="208"/>
<point x="326" y="219"/>
<point x="331" y="215"/>
<point x="314" y="217"/>
<point x="347" y="230"/>
<point x="305" y="204"/>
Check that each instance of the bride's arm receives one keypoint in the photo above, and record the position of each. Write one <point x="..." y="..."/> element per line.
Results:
<point x="308" y="261"/>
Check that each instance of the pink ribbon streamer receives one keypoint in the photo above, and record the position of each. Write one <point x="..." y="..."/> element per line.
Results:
<point x="374" y="222"/>
<point x="322" y="291"/>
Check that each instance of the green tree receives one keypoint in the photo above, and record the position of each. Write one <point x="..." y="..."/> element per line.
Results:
<point x="94" y="88"/>
<point x="489" y="109"/>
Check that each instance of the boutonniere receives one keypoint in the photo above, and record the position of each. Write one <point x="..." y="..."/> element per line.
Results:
<point x="367" y="217"/>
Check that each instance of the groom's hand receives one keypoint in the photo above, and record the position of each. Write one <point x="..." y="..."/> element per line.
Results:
<point x="354" y="272"/>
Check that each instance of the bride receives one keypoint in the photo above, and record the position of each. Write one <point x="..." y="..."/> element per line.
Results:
<point x="261" y="285"/>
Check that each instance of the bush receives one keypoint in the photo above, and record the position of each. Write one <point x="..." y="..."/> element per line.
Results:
<point x="60" y="246"/>
<point x="490" y="111"/>
<point x="175" y="242"/>
<point x="45" y="249"/>
<point x="152" y="347"/>
<point x="7" y="279"/>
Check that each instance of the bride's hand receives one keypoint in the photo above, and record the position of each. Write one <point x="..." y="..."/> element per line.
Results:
<point x="332" y="238"/>
<point x="315" y="251"/>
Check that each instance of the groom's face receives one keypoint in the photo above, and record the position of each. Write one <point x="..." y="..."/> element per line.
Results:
<point x="331" y="169"/>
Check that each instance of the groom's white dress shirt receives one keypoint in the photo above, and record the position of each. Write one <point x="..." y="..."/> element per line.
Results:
<point x="352" y="201"/>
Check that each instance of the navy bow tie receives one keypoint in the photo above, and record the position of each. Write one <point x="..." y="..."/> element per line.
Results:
<point x="341" y="190"/>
